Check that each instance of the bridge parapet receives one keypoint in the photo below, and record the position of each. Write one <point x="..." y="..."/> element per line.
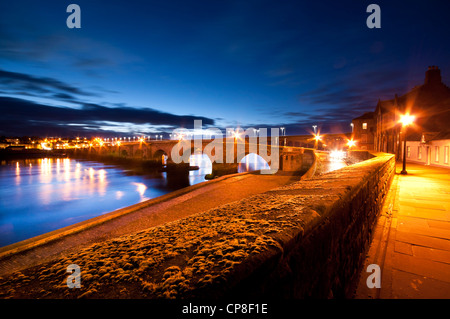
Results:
<point x="225" y="154"/>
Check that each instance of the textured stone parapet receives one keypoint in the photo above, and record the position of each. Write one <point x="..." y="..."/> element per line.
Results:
<point x="306" y="239"/>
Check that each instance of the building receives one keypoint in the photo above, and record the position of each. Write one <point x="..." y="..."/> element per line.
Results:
<point x="326" y="141"/>
<point x="429" y="149"/>
<point x="363" y="129"/>
<point x="429" y="103"/>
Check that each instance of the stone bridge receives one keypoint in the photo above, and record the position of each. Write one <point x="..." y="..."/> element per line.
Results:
<point x="225" y="154"/>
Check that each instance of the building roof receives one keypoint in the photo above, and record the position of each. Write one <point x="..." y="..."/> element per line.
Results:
<point x="429" y="136"/>
<point x="441" y="136"/>
<point x="429" y="102"/>
<point x="365" y="116"/>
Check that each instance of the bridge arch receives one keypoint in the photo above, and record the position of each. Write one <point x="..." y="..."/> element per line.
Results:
<point x="252" y="162"/>
<point x="187" y="152"/>
<point x="160" y="156"/>
<point x="204" y="164"/>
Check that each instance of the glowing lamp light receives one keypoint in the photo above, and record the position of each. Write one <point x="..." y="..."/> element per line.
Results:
<point x="351" y="143"/>
<point x="317" y="137"/>
<point x="336" y="154"/>
<point x="45" y="147"/>
<point x="407" y="119"/>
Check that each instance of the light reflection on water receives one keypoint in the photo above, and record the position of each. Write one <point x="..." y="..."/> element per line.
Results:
<point x="41" y="195"/>
<point x="252" y="162"/>
<point x="204" y="167"/>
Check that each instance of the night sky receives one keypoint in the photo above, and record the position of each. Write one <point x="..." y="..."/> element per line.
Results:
<point x="147" y="67"/>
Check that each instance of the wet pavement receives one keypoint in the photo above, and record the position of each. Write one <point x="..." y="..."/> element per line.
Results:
<point x="411" y="243"/>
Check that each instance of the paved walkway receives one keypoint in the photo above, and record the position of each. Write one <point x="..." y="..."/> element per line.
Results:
<point x="411" y="243"/>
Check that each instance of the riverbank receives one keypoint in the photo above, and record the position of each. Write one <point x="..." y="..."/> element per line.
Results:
<point x="256" y="246"/>
<point x="174" y="206"/>
<point x="20" y="154"/>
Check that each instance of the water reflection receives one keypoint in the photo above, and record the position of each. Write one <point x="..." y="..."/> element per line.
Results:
<point x="252" y="162"/>
<point x="204" y="167"/>
<point x="140" y="188"/>
<point x="41" y="195"/>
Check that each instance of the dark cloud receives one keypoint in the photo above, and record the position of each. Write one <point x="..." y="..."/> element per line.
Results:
<point x="22" y="117"/>
<point x="88" y="62"/>
<point x="297" y="114"/>
<point x="341" y="101"/>
<point x="14" y="82"/>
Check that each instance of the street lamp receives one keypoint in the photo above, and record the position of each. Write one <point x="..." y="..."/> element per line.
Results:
<point x="317" y="138"/>
<point x="351" y="143"/>
<point x="283" y="132"/>
<point x="406" y="120"/>
<point x="315" y="127"/>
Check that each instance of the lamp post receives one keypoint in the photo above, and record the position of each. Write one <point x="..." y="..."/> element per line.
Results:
<point x="406" y="120"/>
<point x="317" y="139"/>
<point x="284" y="135"/>
<point x="350" y="143"/>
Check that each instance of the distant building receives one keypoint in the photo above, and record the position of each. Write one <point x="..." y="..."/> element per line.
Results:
<point x="364" y="131"/>
<point x="327" y="141"/>
<point x="429" y="103"/>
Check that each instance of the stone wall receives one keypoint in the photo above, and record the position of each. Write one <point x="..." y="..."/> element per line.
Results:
<point x="323" y="260"/>
<point x="305" y="239"/>
<point x="358" y="155"/>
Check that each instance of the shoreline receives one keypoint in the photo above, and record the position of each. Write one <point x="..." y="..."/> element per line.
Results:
<point x="45" y="247"/>
<point x="42" y="239"/>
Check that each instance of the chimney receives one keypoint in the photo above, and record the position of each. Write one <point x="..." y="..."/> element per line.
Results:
<point x="433" y="75"/>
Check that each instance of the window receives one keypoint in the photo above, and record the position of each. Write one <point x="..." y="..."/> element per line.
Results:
<point x="436" y="155"/>
<point x="446" y="155"/>
<point x="419" y="152"/>
<point x="408" y="151"/>
<point x="364" y="126"/>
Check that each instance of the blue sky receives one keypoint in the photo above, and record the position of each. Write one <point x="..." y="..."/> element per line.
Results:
<point x="142" y="67"/>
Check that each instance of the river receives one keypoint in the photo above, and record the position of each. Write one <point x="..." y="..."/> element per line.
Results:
<point x="41" y="195"/>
